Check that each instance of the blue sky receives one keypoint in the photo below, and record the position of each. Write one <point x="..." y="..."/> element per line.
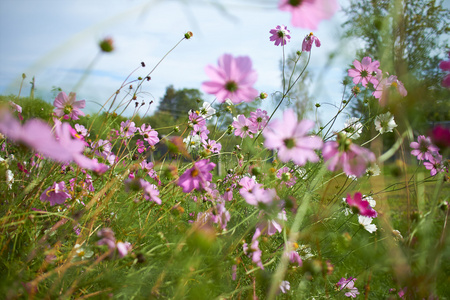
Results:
<point x="55" y="41"/>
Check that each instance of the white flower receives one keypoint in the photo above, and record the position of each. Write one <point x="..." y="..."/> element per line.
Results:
<point x="192" y="142"/>
<point x="207" y="111"/>
<point x="229" y="102"/>
<point x="385" y="123"/>
<point x="367" y="223"/>
<point x="373" y="170"/>
<point x="369" y="199"/>
<point x="9" y="178"/>
<point x="82" y="253"/>
<point x="353" y="128"/>
<point x="285" y="286"/>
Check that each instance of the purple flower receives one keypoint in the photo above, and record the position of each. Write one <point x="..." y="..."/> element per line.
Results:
<point x="345" y="155"/>
<point x="361" y="206"/>
<point x="149" y="134"/>
<point x="253" y="251"/>
<point x="423" y="148"/>
<point x="197" y="176"/>
<point x="81" y="130"/>
<point x="67" y="107"/>
<point x="365" y="71"/>
<point x="244" y="127"/>
<point x="308" y="42"/>
<point x="434" y="164"/>
<point x="348" y="284"/>
<point x="280" y="35"/>
<point x="123" y="248"/>
<point x="212" y="146"/>
<point x="56" y="194"/>
<point x="285" y="286"/>
<point x="385" y="84"/>
<point x="233" y="79"/>
<point x="151" y="192"/>
<point x="289" y="137"/>
<point x="106" y="236"/>
<point x="309" y="13"/>
<point x="127" y="129"/>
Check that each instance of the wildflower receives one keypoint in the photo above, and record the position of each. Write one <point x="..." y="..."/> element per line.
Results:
<point x="280" y="35"/>
<point x="150" y="135"/>
<point x="212" y="146"/>
<point x="271" y="226"/>
<point x="123" y="248"/>
<point x="254" y="194"/>
<point x="423" y="148"/>
<point x="373" y="170"/>
<point x="366" y="222"/>
<point x="207" y="111"/>
<point x="259" y="118"/>
<point x="385" y="123"/>
<point x="254" y="250"/>
<point x="344" y="154"/>
<point x="221" y="215"/>
<point x="289" y="138"/>
<point x="81" y="130"/>
<point x="308" y="42"/>
<point x="434" y="164"/>
<point x="287" y="176"/>
<point x="197" y="176"/>
<point x="67" y="107"/>
<point x="151" y="192"/>
<point x="140" y="146"/>
<point x="127" y="129"/>
<point x="244" y="127"/>
<point x="192" y="142"/>
<point x="56" y="194"/>
<point x="353" y="128"/>
<point x="348" y="284"/>
<point x="82" y="253"/>
<point x="285" y="286"/>
<point x="360" y="206"/>
<point x="233" y="79"/>
<point x="309" y="13"/>
<point x="386" y="83"/>
<point x="365" y="71"/>
<point x="441" y="137"/>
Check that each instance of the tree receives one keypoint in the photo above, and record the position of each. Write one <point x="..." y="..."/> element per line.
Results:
<point x="177" y="103"/>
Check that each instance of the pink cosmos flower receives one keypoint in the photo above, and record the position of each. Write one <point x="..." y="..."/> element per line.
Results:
<point x="212" y="146"/>
<point x="434" y="164"/>
<point x="289" y="137"/>
<point x="107" y="238"/>
<point x="67" y="107"/>
<point x="244" y="127"/>
<point x="151" y="192"/>
<point x="197" y="176"/>
<point x="423" y="148"/>
<point x="365" y="71"/>
<point x="221" y="215"/>
<point x="348" y="284"/>
<point x="280" y="35"/>
<point x="259" y="118"/>
<point x="56" y="194"/>
<point x="385" y="84"/>
<point x="308" y="42"/>
<point x="309" y="13"/>
<point x="343" y="154"/>
<point x="149" y="134"/>
<point x="286" y="176"/>
<point x="140" y="146"/>
<point x="445" y="66"/>
<point x="253" y="251"/>
<point x="233" y="79"/>
<point x="271" y="226"/>
<point x="361" y="206"/>
<point x="127" y="129"/>
<point x="123" y="248"/>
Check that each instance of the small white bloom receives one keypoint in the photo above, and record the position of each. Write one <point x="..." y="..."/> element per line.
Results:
<point x="229" y="102"/>
<point x="9" y="178"/>
<point x="369" y="199"/>
<point x="207" y="111"/>
<point x="353" y="128"/>
<point x="82" y="253"/>
<point x="385" y="123"/>
<point x="367" y="223"/>
<point x="192" y="142"/>
<point x="373" y="170"/>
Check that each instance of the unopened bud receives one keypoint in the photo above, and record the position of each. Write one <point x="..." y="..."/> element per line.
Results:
<point x="188" y="35"/>
<point x="263" y="95"/>
<point x="317" y="105"/>
<point x="107" y="45"/>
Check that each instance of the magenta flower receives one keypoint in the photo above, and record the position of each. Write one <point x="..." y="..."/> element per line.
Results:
<point x="149" y="134"/>
<point x="361" y="206"/>
<point x="254" y="193"/>
<point x="233" y="79"/>
<point x="365" y="71"/>
<point x="212" y="146"/>
<point x="244" y="127"/>
<point x="308" y="42"/>
<point x="197" y="176"/>
<point x="289" y="137"/>
<point x="348" y="284"/>
<point x="423" y="148"/>
<point x="107" y="238"/>
<point x="151" y="192"/>
<point x="280" y="35"/>
<point x="253" y="251"/>
<point x="343" y="154"/>
<point x="81" y="130"/>
<point x="140" y="146"/>
<point x="309" y="13"/>
<point x="56" y="194"/>
<point x="67" y="107"/>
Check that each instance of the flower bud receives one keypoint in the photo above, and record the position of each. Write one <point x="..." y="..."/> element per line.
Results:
<point x="106" y="45"/>
<point x="188" y="35"/>
<point x="263" y="95"/>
